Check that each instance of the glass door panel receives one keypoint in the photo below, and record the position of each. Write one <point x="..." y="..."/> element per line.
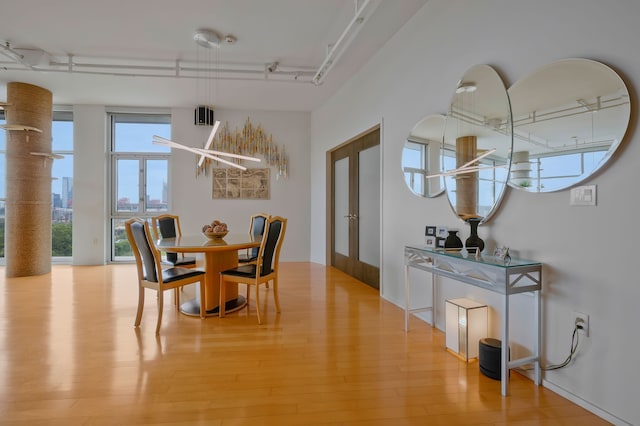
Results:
<point x="341" y="200"/>
<point x="369" y="206"/>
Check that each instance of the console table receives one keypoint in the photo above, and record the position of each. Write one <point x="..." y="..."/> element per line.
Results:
<point x="490" y="273"/>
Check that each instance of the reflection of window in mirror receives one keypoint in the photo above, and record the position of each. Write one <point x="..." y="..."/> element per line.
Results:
<point x="553" y="172"/>
<point x="492" y="171"/>
<point x="488" y="191"/>
<point x="414" y="160"/>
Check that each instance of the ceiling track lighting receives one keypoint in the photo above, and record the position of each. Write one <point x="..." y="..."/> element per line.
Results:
<point x="41" y="61"/>
<point x="272" y="67"/>
<point x="340" y="46"/>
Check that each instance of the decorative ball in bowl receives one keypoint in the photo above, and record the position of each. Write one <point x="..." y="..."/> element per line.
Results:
<point x="215" y="230"/>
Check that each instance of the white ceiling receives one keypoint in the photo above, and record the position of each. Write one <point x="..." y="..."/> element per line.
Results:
<point x="296" y="33"/>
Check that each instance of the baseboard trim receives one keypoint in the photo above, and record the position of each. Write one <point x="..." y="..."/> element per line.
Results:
<point x="584" y="404"/>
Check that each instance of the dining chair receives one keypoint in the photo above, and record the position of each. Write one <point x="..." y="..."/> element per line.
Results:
<point x="256" y="229"/>
<point x="168" y="226"/>
<point x="151" y="274"/>
<point x="264" y="270"/>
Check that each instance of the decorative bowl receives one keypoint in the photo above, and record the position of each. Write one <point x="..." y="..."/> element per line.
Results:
<point x="215" y="235"/>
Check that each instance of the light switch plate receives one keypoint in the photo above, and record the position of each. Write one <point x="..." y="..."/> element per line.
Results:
<point x="583" y="196"/>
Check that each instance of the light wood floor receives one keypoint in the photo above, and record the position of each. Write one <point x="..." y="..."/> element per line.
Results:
<point x="336" y="355"/>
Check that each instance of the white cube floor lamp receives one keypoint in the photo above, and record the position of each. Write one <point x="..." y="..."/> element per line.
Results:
<point x="465" y="325"/>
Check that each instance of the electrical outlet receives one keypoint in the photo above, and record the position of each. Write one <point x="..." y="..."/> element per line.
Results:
<point x="582" y="321"/>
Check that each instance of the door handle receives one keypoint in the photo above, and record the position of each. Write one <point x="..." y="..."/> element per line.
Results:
<point x="351" y="216"/>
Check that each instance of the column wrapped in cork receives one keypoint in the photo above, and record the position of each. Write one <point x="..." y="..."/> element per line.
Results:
<point x="466" y="183"/>
<point x="28" y="202"/>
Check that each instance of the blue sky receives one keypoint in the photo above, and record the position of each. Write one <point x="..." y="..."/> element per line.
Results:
<point x="130" y="138"/>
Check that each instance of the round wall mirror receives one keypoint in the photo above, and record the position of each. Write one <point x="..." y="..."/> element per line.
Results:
<point x="477" y="144"/>
<point x="568" y="119"/>
<point x="421" y="157"/>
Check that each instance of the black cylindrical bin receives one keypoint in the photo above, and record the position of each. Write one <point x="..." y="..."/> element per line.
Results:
<point x="489" y="356"/>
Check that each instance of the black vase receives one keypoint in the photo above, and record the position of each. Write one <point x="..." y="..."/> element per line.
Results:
<point x="474" y="242"/>
<point x="453" y="242"/>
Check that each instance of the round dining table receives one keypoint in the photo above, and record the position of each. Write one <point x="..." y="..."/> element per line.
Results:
<point x="219" y="254"/>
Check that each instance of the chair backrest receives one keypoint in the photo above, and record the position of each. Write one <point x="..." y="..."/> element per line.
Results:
<point x="143" y="249"/>
<point x="256" y="229"/>
<point x="271" y="244"/>
<point x="168" y="226"/>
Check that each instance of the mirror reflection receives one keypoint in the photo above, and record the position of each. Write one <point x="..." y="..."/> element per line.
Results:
<point x="568" y="119"/>
<point x="421" y="157"/>
<point x="477" y="144"/>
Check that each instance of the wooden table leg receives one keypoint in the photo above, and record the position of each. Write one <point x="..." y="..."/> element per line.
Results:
<point x="214" y="263"/>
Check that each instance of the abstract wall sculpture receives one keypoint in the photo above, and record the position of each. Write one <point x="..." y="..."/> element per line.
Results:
<point x="251" y="141"/>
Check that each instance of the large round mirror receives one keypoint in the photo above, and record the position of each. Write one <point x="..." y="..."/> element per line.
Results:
<point x="568" y="119"/>
<point x="421" y="157"/>
<point x="477" y="144"/>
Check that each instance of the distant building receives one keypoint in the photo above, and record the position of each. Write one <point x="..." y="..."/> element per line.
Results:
<point x="56" y="200"/>
<point x="67" y="192"/>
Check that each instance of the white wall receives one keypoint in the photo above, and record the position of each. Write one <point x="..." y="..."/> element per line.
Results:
<point x="89" y="185"/>
<point x="191" y="196"/>
<point x="289" y="197"/>
<point x="588" y="252"/>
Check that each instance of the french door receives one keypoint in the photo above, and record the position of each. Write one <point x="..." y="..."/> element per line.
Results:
<point x="355" y="208"/>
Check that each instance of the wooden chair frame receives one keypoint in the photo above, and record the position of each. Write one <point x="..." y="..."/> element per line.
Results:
<point x="247" y="255"/>
<point x="185" y="262"/>
<point x="150" y="272"/>
<point x="255" y="274"/>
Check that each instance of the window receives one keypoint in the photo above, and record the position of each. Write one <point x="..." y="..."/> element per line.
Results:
<point x="414" y="161"/>
<point x="61" y="187"/>
<point x="139" y="173"/>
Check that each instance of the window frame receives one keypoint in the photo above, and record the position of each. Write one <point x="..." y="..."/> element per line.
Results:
<point x="143" y="211"/>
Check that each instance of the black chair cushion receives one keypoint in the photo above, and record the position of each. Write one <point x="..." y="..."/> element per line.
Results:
<point x="174" y="274"/>
<point x="246" y="271"/>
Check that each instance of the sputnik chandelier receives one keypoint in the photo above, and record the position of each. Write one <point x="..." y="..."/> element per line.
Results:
<point x="209" y="40"/>
<point x="206" y="153"/>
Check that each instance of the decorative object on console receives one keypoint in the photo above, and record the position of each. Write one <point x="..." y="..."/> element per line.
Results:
<point x="453" y="242"/>
<point x="474" y="241"/>
<point x="430" y="241"/>
<point x="250" y="141"/>
<point x="502" y="253"/>
<point x="506" y="257"/>
<point x="465" y="325"/>
<point x="430" y="236"/>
